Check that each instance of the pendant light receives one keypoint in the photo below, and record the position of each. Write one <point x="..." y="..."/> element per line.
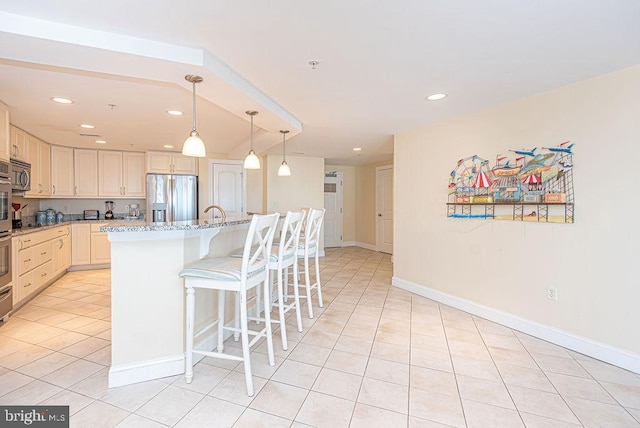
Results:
<point x="252" y="161"/>
<point x="193" y="145"/>
<point x="284" y="170"/>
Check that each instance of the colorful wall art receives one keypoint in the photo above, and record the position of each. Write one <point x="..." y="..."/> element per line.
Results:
<point x="529" y="185"/>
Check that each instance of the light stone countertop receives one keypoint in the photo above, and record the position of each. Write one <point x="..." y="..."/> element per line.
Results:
<point x="145" y="226"/>
<point x="25" y="230"/>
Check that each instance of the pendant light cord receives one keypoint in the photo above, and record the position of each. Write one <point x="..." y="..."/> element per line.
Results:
<point x="194" y="105"/>
<point x="251" y="132"/>
<point x="283" y="151"/>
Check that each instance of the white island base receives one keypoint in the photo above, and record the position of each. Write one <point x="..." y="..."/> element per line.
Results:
<point x="147" y="295"/>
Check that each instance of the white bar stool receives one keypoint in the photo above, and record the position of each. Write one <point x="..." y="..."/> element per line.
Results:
<point x="238" y="275"/>
<point x="284" y="256"/>
<point x="308" y="247"/>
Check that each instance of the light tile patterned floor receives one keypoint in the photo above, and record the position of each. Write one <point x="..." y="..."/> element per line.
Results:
<point x="375" y="356"/>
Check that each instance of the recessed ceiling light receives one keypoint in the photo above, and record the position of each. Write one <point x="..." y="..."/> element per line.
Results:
<point x="175" y="112"/>
<point x="86" y="126"/>
<point x="357" y="149"/>
<point x="168" y="146"/>
<point x="101" y="142"/>
<point x="61" y="100"/>
<point x="436" y="97"/>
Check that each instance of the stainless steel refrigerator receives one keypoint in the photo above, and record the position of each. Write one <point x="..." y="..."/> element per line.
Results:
<point x="172" y="197"/>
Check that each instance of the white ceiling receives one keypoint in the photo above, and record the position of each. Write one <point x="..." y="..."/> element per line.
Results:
<point x="378" y="61"/>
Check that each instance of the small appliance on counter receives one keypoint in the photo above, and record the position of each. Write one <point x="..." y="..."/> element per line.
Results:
<point x="16" y="221"/>
<point x="91" y="215"/>
<point x="134" y="211"/>
<point x="59" y="217"/>
<point x="108" y="215"/>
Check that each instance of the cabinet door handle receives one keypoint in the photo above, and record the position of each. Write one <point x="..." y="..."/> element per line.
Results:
<point x="27" y="261"/>
<point x="54" y="189"/>
<point x="44" y="274"/>
<point x="27" y="240"/>
<point x="75" y="191"/>
<point x="15" y="151"/>
<point x="43" y="254"/>
<point x="27" y="285"/>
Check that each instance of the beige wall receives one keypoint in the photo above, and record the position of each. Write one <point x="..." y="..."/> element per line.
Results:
<point x="254" y="190"/>
<point x="304" y="188"/>
<point x="508" y="265"/>
<point x="366" y="202"/>
<point x="348" y="201"/>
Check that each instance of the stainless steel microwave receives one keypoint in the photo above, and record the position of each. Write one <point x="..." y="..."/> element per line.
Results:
<point x="20" y="175"/>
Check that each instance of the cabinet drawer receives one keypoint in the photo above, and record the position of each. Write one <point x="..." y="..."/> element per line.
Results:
<point x="58" y="232"/>
<point x="26" y="284"/>
<point x="42" y="274"/>
<point x="41" y="253"/>
<point x="25" y="260"/>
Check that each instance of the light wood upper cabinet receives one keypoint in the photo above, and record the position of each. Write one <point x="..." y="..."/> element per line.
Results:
<point x="19" y="144"/>
<point x="85" y="166"/>
<point x="171" y="163"/>
<point x="109" y="173"/>
<point x="62" y="179"/>
<point x="39" y="156"/>
<point x="5" y="134"/>
<point x="121" y="174"/>
<point x="134" y="181"/>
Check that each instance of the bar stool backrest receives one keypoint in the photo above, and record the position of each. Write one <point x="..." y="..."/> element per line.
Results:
<point x="313" y="226"/>
<point x="256" y="257"/>
<point x="290" y="237"/>
<point x="306" y="212"/>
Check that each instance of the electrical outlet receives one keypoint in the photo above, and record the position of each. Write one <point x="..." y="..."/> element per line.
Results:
<point x="552" y="293"/>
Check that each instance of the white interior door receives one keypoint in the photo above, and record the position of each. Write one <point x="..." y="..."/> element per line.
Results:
<point x="333" y="207"/>
<point x="384" y="209"/>
<point x="228" y="187"/>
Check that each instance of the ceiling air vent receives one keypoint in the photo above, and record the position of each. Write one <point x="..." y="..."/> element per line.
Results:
<point x="90" y="135"/>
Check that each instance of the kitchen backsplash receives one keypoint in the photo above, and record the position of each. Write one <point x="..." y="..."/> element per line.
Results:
<point x="73" y="208"/>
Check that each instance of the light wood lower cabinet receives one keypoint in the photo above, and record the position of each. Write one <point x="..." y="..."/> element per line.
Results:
<point x="80" y="244"/>
<point x="89" y="246"/>
<point x="100" y="246"/>
<point x="39" y="258"/>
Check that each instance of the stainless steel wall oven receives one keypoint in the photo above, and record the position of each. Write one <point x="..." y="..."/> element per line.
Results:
<point x="6" y="298"/>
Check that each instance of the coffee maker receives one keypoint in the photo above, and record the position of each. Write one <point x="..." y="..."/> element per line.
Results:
<point x="134" y="211"/>
<point x="108" y="215"/>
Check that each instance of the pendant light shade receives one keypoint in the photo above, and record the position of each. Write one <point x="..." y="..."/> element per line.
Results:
<point x="193" y="145"/>
<point x="284" y="170"/>
<point x="252" y="161"/>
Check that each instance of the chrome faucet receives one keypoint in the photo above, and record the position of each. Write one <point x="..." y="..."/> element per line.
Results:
<point x="219" y="208"/>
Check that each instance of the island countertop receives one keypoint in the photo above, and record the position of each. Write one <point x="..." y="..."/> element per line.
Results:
<point x="144" y="226"/>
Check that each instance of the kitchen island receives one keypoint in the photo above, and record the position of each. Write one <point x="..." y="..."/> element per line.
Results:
<point x="147" y="295"/>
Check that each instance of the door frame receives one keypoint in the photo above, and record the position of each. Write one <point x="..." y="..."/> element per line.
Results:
<point x="212" y="177"/>
<point x="378" y="237"/>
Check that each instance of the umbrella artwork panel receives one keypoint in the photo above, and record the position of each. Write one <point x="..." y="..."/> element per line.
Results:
<point x="526" y="185"/>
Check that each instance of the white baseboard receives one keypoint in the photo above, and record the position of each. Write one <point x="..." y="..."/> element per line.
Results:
<point x="598" y="350"/>
<point x="147" y="370"/>
<point x="164" y="367"/>
<point x="348" y="243"/>
<point x="366" y="246"/>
